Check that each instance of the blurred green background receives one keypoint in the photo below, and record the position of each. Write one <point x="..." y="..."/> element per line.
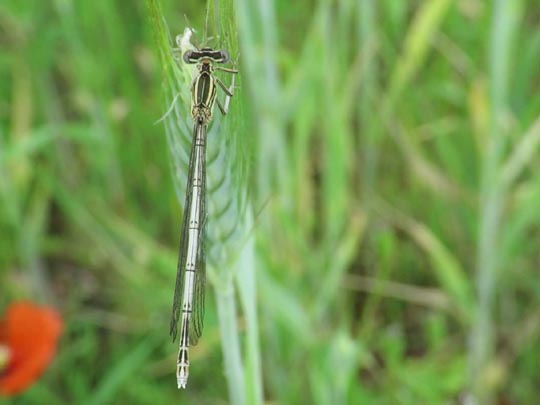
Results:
<point x="384" y="154"/>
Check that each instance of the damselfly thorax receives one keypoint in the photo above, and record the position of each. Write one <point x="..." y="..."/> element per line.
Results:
<point x="203" y="93"/>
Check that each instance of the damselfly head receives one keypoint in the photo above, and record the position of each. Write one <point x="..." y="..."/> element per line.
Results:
<point x="206" y="54"/>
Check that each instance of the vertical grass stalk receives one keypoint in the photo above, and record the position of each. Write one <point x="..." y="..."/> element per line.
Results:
<point x="369" y="127"/>
<point x="247" y="290"/>
<point x="258" y="39"/>
<point x="234" y="370"/>
<point x="491" y="202"/>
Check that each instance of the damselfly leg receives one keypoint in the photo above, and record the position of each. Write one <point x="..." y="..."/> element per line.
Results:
<point x="229" y="92"/>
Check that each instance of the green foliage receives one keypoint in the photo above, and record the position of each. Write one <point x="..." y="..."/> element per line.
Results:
<point x="374" y="191"/>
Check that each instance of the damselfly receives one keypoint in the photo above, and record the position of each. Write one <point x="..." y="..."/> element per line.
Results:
<point x="188" y="305"/>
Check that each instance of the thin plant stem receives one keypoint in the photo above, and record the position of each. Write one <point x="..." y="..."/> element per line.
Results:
<point x="248" y="297"/>
<point x="370" y="132"/>
<point x="492" y="198"/>
<point x="228" y="326"/>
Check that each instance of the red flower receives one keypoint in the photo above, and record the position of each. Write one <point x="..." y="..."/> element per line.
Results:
<point x="30" y="334"/>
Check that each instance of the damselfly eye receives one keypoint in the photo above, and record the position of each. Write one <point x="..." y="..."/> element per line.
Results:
<point x="225" y="57"/>
<point x="178" y="40"/>
<point x="187" y="56"/>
